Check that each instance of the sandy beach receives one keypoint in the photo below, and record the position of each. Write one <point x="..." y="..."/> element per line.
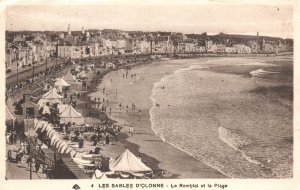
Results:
<point x="233" y="99"/>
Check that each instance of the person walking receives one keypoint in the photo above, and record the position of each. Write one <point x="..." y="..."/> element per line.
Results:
<point x="131" y="130"/>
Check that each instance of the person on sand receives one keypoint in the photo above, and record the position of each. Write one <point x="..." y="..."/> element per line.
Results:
<point x="140" y="112"/>
<point x="103" y="90"/>
<point x="131" y="130"/>
<point x="120" y="105"/>
<point x="107" y="140"/>
<point x="127" y="108"/>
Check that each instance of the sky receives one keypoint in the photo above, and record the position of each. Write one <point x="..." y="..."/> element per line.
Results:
<point x="236" y="18"/>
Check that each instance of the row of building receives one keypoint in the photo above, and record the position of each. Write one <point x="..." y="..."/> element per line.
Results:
<point x="26" y="50"/>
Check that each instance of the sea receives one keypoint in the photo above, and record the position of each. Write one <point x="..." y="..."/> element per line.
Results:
<point x="233" y="114"/>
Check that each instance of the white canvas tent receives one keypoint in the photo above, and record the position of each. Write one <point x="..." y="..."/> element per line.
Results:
<point x="71" y="115"/>
<point x="60" y="84"/>
<point x="46" y="109"/>
<point x="70" y="79"/>
<point x="128" y="162"/>
<point x="9" y="116"/>
<point x="55" y="140"/>
<point x="61" y="107"/>
<point x="51" y="96"/>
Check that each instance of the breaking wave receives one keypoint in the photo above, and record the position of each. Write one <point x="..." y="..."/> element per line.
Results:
<point x="261" y="72"/>
<point x="236" y="142"/>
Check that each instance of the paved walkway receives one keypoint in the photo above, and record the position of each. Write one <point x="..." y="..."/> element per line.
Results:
<point x="21" y="170"/>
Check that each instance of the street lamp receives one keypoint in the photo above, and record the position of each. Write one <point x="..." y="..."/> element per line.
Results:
<point x="17" y="66"/>
<point x="33" y="57"/>
<point x="56" y="51"/>
<point x="46" y="71"/>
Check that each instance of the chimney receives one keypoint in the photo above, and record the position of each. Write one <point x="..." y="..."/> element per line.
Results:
<point x="26" y="97"/>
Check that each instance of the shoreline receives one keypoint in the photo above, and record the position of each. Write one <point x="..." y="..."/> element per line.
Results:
<point x="146" y="144"/>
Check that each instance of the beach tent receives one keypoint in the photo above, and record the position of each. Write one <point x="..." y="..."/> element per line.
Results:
<point x="60" y="84"/>
<point x="128" y="162"/>
<point x="46" y="109"/>
<point x="51" y="96"/>
<point x="71" y="115"/>
<point x="9" y="116"/>
<point x="62" y="107"/>
<point x="60" y="145"/>
<point x="70" y="79"/>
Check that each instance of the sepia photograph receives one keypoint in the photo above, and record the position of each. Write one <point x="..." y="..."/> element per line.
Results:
<point x="142" y="91"/>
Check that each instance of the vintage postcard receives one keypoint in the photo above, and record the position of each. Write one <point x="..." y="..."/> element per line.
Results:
<point x="175" y="95"/>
